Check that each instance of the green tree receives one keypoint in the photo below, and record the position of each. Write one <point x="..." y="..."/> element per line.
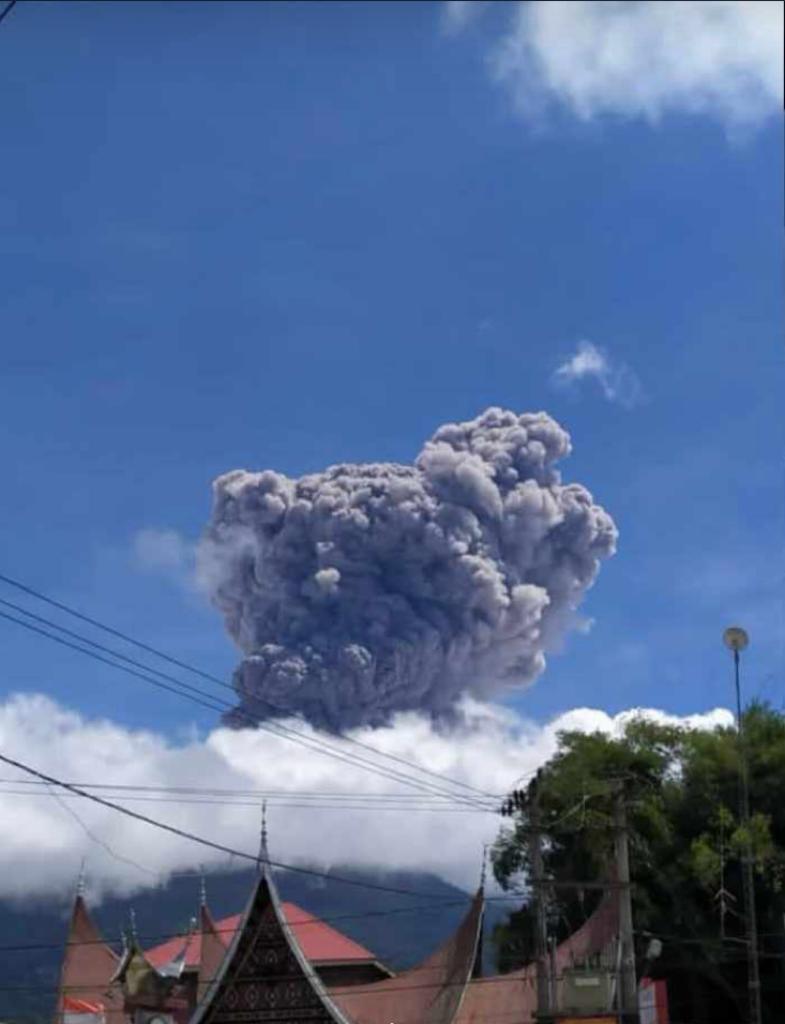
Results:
<point x="682" y="788"/>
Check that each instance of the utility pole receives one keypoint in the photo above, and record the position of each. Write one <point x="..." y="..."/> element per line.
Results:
<point x="538" y="885"/>
<point x="628" y="982"/>
<point x="736" y="640"/>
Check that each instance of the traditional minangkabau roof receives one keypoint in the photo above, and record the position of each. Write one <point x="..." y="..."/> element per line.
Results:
<point x="320" y="943"/>
<point x="88" y="967"/>
<point x="265" y="975"/>
<point x="211" y="949"/>
<point x="513" y="996"/>
<point x="431" y="993"/>
<point x="259" y="969"/>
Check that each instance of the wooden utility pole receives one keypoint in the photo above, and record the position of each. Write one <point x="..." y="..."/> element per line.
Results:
<point x="628" y="982"/>
<point x="538" y="885"/>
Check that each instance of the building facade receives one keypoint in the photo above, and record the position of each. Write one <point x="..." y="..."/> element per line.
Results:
<point x="276" y="964"/>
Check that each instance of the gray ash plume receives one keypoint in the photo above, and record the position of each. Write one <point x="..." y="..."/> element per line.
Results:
<point x="367" y="590"/>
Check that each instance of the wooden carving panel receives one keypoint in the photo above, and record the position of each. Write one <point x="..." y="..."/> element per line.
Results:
<point x="264" y="982"/>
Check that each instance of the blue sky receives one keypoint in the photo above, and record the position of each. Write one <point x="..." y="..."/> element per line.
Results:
<point x="287" y="235"/>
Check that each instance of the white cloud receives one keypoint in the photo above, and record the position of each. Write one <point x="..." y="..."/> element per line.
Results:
<point x="590" y="362"/>
<point x="643" y="60"/>
<point x="162" y="550"/>
<point x="458" y="13"/>
<point x="43" y="844"/>
<point x="167" y="553"/>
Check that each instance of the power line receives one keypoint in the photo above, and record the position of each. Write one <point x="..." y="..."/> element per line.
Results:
<point x="94" y="838"/>
<point x="306" y="805"/>
<point x="201" y="840"/>
<point x="39" y="595"/>
<point x="514" y="978"/>
<point x="214" y="703"/>
<point x="7" y="10"/>
<point x="160" y="937"/>
<point x="184" y="834"/>
<point x="415" y="798"/>
<point x="519" y="977"/>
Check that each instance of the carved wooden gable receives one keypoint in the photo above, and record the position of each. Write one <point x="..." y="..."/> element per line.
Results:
<point x="265" y="978"/>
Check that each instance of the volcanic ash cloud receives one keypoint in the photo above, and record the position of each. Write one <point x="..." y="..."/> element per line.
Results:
<point x="369" y="589"/>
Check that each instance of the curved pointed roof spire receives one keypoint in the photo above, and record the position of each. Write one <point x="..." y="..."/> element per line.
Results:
<point x="88" y="964"/>
<point x="432" y="992"/>
<point x="264" y="855"/>
<point x="80" y="881"/>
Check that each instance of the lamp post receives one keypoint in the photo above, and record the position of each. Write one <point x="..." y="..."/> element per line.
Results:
<point x="736" y="639"/>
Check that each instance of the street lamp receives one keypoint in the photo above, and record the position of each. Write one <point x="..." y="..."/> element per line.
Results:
<point x="736" y="639"/>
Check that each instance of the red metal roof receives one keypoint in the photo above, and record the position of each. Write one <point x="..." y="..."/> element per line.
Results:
<point x="318" y="941"/>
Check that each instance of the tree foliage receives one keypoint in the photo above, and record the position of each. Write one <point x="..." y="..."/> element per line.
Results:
<point x="686" y="842"/>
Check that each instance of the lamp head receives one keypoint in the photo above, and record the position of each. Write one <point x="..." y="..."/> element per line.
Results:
<point x="654" y="949"/>
<point x="735" y="638"/>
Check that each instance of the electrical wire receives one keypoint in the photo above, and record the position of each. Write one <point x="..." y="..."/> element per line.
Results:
<point x="95" y="839"/>
<point x="39" y="595"/>
<point x="7" y="9"/>
<point x="201" y="697"/>
<point x="201" y="840"/>
<point x="208" y="676"/>
<point x="273" y="802"/>
<point x="211" y="844"/>
<point x="192" y="693"/>
<point x="414" y="798"/>
<point x="160" y="937"/>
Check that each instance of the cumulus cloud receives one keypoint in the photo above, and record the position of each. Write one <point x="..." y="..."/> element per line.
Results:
<point x="43" y="843"/>
<point x="617" y="382"/>
<point x="366" y="590"/>
<point x="643" y="60"/>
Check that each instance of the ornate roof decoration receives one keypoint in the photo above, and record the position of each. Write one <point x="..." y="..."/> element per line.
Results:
<point x="265" y="977"/>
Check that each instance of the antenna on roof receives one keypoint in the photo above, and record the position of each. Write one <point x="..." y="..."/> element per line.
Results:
<point x="264" y="856"/>
<point x="484" y="870"/>
<point x="202" y="887"/>
<point x="132" y="916"/>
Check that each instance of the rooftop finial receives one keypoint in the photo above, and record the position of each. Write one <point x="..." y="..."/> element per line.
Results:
<point x="202" y="888"/>
<point x="132" y="916"/>
<point x="263" y="854"/>
<point x="80" y="881"/>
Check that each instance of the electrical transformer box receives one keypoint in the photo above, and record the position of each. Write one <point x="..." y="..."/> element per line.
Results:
<point x="587" y="991"/>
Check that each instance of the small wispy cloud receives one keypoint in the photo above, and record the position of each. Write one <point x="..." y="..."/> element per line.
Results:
<point x="716" y="58"/>
<point x="617" y="381"/>
<point x="458" y="13"/>
<point x="165" y="551"/>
